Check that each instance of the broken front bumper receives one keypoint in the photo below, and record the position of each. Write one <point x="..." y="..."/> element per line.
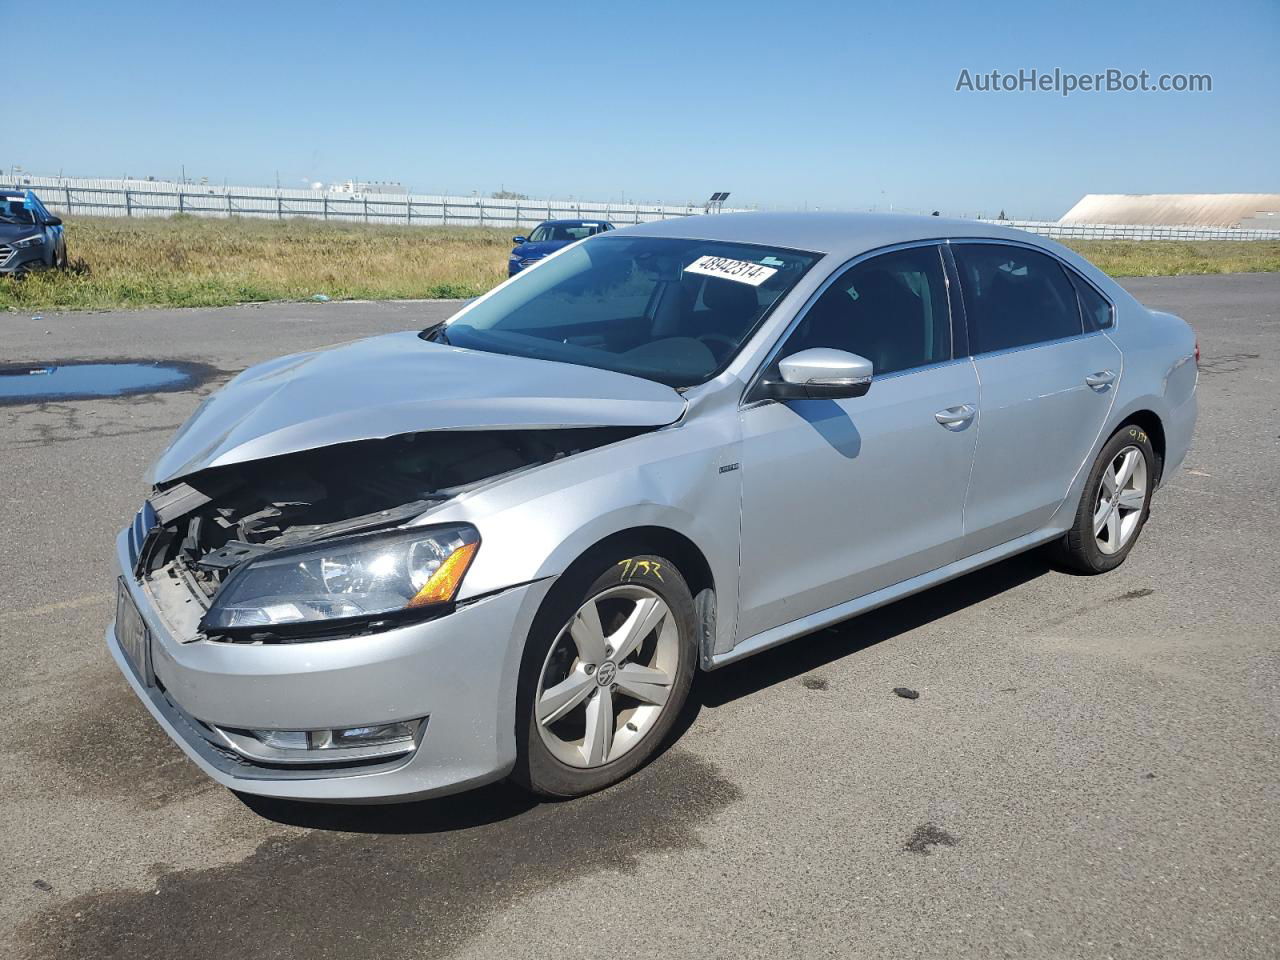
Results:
<point x="458" y="671"/>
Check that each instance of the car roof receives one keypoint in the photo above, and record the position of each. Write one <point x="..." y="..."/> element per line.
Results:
<point x="842" y="234"/>
<point x="580" y="220"/>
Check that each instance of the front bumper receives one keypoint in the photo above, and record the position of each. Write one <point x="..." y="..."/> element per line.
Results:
<point x="458" y="671"/>
<point x="14" y="260"/>
<point x="516" y="266"/>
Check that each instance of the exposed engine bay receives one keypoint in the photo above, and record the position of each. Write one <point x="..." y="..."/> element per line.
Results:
<point x="212" y="522"/>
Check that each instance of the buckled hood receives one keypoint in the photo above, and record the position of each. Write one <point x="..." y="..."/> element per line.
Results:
<point x="398" y="384"/>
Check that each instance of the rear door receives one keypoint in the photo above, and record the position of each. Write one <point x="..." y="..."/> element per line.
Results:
<point x="1047" y="381"/>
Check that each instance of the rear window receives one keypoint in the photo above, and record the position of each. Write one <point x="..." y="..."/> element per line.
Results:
<point x="1014" y="297"/>
<point x="1094" y="307"/>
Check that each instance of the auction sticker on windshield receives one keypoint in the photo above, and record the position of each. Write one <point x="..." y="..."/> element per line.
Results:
<point x="743" y="271"/>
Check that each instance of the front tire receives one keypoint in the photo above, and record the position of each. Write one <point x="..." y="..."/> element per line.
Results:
<point x="605" y="674"/>
<point x="1114" y="506"/>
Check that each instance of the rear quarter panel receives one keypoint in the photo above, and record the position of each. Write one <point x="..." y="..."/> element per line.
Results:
<point x="1160" y="375"/>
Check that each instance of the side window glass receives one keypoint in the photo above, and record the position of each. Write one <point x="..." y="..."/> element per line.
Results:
<point x="891" y="309"/>
<point x="1095" y="308"/>
<point x="1014" y="297"/>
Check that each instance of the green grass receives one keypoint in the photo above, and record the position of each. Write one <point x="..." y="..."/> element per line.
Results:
<point x="186" y="261"/>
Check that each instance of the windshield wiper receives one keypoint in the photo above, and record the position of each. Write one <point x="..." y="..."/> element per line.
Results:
<point x="435" y="333"/>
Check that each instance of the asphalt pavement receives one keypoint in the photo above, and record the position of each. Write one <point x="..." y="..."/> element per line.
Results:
<point x="1091" y="769"/>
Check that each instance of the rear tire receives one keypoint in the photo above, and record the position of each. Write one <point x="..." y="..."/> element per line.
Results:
<point x="1114" y="506"/>
<point x="605" y="674"/>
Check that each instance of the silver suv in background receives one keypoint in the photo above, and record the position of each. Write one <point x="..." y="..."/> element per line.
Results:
<point x="506" y="545"/>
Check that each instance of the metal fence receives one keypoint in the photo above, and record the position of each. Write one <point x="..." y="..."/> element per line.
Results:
<point x="1133" y="231"/>
<point x="146" y="198"/>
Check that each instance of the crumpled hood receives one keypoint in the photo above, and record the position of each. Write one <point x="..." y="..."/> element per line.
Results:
<point x="397" y="384"/>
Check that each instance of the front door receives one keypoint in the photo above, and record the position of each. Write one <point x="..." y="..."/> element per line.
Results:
<point x="841" y="498"/>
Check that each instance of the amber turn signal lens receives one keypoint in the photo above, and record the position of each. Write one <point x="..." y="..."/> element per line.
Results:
<point x="445" y="581"/>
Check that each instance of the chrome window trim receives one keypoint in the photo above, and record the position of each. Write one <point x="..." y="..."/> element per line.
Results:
<point x="923" y="368"/>
<point x="835" y="274"/>
<point x="1035" y="346"/>
<point x="1072" y="271"/>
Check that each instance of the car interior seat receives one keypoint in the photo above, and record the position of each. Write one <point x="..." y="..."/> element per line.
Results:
<point x="885" y="323"/>
<point x="731" y="308"/>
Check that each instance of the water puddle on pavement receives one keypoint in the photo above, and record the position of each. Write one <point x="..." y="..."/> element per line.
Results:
<point x="76" y="380"/>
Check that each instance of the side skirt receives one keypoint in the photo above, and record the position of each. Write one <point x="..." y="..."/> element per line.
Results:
<point x="851" y="608"/>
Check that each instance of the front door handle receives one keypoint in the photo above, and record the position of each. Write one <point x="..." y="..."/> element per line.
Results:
<point x="953" y="418"/>
<point x="1100" y="380"/>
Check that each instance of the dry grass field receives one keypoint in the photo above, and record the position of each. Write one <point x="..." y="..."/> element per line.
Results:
<point x="190" y="262"/>
<point x="184" y="261"/>
<point x="1173" y="258"/>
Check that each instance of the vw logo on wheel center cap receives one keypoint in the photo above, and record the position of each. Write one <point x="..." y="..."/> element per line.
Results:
<point x="604" y="676"/>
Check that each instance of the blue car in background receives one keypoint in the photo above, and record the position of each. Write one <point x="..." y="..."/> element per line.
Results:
<point x="31" y="238"/>
<point x="547" y="238"/>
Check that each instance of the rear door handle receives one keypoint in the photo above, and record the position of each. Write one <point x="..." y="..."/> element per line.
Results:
<point x="954" y="417"/>
<point x="1101" y="379"/>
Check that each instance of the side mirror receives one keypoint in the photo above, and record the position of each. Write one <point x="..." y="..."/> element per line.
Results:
<point x="53" y="221"/>
<point x="519" y="240"/>
<point x="821" y="372"/>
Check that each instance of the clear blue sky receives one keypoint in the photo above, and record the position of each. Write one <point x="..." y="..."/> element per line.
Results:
<point x="785" y="104"/>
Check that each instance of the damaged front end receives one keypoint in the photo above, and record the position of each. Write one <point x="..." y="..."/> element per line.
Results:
<point x="316" y="544"/>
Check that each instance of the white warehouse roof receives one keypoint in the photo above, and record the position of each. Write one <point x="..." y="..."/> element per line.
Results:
<point x="1253" y="210"/>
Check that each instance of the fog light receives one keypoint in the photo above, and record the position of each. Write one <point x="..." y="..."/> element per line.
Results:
<point x="384" y="733"/>
<point x="283" y="739"/>
<point x="372" y="735"/>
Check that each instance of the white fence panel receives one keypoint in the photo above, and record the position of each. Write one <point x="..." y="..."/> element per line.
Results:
<point x="147" y="198"/>
<point x="1133" y="231"/>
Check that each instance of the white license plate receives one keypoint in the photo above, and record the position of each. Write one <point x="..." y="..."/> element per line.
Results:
<point x="132" y="634"/>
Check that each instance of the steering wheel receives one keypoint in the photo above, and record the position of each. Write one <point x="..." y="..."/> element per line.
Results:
<point x="719" y="344"/>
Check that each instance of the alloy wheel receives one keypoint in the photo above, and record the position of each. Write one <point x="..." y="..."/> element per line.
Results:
<point x="1122" y="494"/>
<point x="607" y="677"/>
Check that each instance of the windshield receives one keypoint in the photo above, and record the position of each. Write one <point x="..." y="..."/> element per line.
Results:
<point x="12" y="211"/>
<point x="564" y="232"/>
<point x="670" y="310"/>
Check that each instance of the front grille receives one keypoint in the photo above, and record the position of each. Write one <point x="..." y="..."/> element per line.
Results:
<point x="6" y="252"/>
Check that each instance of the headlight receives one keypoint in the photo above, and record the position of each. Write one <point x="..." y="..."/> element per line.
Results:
<point x="514" y="258"/>
<point x="359" y="577"/>
<point x="25" y="242"/>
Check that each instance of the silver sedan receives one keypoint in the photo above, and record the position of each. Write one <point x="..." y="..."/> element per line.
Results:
<point x="506" y="545"/>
